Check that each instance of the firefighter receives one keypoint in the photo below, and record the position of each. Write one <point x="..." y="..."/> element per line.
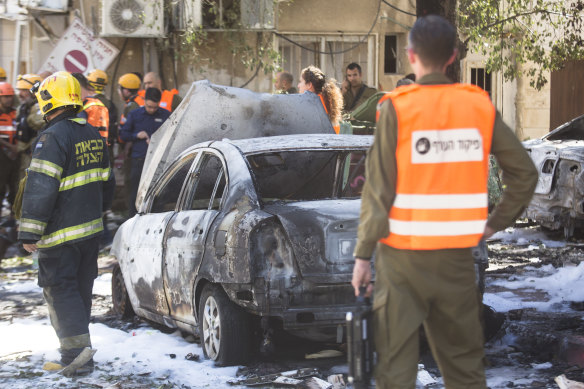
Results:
<point x="29" y="120"/>
<point x="2" y="75"/>
<point x="170" y="98"/>
<point x="8" y="149"/>
<point x="97" y="81"/>
<point x="69" y="184"/>
<point x="93" y="109"/>
<point x="427" y="174"/>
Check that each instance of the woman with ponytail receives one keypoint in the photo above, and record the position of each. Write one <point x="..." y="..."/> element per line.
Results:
<point x="312" y="79"/>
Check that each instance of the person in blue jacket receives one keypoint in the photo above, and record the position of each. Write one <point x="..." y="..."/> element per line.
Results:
<point x="140" y="124"/>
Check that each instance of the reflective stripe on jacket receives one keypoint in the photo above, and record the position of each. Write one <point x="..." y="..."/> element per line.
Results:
<point x="443" y="144"/>
<point x="97" y="115"/>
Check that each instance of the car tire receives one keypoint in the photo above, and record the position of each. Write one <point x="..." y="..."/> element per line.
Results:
<point x="120" y="298"/>
<point x="224" y="328"/>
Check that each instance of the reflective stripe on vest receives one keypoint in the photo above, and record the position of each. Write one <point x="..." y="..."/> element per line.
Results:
<point x="7" y="126"/>
<point x="33" y="226"/>
<point x="443" y="144"/>
<point x="97" y="115"/>
<point x="84" y="178"/>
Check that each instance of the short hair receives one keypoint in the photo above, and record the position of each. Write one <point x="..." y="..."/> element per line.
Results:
<point x="82" y="80"/>
<point x="139" y="75"/>
<point x="403" y="81"/>
<point x="286" y="76"/>
<point x="153" y="94"/>
<point x="433" y="39"/>
<point x="353" y="66"/>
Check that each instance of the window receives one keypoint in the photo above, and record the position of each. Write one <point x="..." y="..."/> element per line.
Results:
<point x="209" y="184"/>
<point x="166" y="198"/>
<point x="390" y="58"/>
<point x="308" y="175"/>
<point x="230" y="14"/>
<point x="220" y="13"/>
<point x="353" y="174"/>
<point x="481" y="78"/>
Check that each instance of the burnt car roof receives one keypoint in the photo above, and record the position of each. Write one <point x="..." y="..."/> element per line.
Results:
<point x="317" y="141"/>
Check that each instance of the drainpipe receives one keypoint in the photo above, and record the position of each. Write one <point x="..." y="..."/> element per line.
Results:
<point x="17" y="51"/>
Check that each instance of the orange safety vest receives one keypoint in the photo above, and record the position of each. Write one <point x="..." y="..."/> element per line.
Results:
<point x="337" y="128"/>
<point x="97" y="115"/>
<point x="7" y="127"/>
<point x="443" y="144"/>
<point x="165" y="101"/>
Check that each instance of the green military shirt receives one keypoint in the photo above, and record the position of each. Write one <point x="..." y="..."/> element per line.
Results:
<point x="519" y="176"/>
<point x="349" y="98"/>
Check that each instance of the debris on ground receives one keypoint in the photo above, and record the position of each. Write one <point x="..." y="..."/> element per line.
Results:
<point x="424" y="378"/>
<point x="324" y="354"/>
<point x="564" y="383"/>
<point x="278" y="378"/>
<point x="314" y="383"/>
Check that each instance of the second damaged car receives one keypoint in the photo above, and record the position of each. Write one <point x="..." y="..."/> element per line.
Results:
<point x="235" y="231"/>
<point x="558" y="202"/>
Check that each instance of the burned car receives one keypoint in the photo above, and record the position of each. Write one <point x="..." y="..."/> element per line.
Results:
<point x="241" y="228"/>
<point x="263" y="226"/>
<point x="558" y="202"/>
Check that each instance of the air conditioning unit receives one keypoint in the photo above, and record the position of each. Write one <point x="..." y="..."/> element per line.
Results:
<point x="186" y="14"/>
<point x="132" y="18"/>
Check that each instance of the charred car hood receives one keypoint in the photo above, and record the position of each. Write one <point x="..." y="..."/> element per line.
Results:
<point x="323" y="235"/>
<point x="213" y="112"/>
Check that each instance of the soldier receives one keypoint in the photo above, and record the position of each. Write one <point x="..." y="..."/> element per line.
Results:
<point x="69" y="184"/>
<point x="427" y="175"/>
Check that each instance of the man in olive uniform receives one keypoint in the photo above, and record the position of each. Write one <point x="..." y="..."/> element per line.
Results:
<point x="29" y="120"/>
<point x="427" y="174"/>
<point x="69" y="185"/>
<point x="354" y="90"/>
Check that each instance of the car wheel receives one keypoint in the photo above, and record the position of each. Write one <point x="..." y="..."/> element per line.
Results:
<point x="224" y="328"/>
<point x="120" y="298"/>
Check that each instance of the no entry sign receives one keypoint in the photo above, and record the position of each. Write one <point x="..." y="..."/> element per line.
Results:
<point x="78" y="51"/>
<point x="75" y="61"/>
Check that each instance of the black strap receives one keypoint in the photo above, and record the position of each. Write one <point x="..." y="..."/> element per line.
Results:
<point x="361" y="90"/>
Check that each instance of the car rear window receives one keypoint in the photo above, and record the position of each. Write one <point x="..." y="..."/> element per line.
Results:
<point x="308" y="175"/>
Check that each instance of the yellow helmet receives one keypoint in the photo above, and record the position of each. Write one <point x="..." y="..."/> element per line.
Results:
<point x="60" y="89"/>
<point x="27" y="81"/>
<point x="2" y="74"/>
<point x="129" y="81"/>
<point x="97" y="79"/>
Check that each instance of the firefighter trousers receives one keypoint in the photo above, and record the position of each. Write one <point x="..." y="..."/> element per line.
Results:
<point x="436" y="289"/>
<point x="66" y="274"/>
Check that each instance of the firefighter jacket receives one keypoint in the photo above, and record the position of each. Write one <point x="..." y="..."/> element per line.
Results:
<point x="97" y="115"/>
<point x="69" y="184"/>
<point x="442" y="162"/>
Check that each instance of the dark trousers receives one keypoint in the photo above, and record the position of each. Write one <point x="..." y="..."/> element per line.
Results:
<point x="135" y="174"/>
<point x="66" y="274"/>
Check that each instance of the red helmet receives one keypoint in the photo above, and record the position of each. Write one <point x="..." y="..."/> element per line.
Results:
<point x="6" y="89"/>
